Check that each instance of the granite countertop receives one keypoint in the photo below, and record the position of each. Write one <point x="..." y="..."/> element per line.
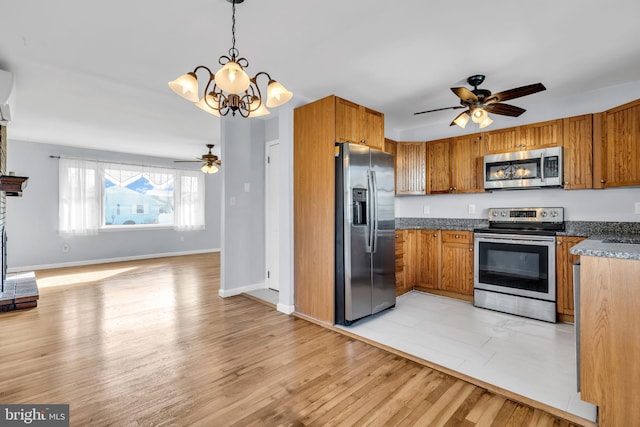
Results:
<point x="621" y="247"/>
<point x="598" y="243"/>
<point x="572" y="228"/>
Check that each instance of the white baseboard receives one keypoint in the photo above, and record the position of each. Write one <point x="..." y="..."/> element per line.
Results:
<point x="107" y="260"/>
<point x="286" y="309"/>
<point x="226" y="293"/>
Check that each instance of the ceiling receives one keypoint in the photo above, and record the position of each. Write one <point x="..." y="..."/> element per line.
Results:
<point x="94" y="74"/>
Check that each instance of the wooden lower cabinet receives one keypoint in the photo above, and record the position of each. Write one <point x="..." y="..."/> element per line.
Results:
<point x="421" y="258"/>
<point x="457" y="262"/>
<point x="401" y="284"/>
<point x="564" y="276"/>
<point x="439" y="261"/>
<point x="609" y="331"/>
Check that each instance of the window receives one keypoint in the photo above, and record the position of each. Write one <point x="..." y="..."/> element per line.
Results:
<point x="135" y="195"/>
<point x="96" y="195"/>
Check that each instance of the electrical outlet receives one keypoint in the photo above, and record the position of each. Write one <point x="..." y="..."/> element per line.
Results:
<point x="426" y="209"/>
<point x="471" y="208"/>
<point x="247" y="187"/>
<point x="65" y="248"/>
<point x="637" y="210"/>
<point x="232" y="201"/>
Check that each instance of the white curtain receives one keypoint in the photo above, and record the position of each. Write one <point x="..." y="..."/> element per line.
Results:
<point x="79" y="197"/>
<point x="189" y="198"/>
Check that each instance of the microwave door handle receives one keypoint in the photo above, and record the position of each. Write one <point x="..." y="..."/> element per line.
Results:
<point x="542" y="167"/>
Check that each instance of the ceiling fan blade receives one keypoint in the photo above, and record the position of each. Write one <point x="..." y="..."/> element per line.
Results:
<point x="504" y="109"/>
<point x="464" y="94"/>
<point x="454" y="120"/>
<point x="187" y="161"/>
<point x="516" y="92"/>
<point x="440" y="109"/>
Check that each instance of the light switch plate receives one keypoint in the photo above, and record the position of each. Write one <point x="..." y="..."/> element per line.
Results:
<point x="471" y="208"/>
<point x="426" y="209"/>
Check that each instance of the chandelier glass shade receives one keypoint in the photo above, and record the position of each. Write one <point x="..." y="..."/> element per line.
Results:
<point x="231" y="89"/>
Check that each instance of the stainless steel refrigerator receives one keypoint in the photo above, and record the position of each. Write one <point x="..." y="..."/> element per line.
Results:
<point x="365" y="232"/>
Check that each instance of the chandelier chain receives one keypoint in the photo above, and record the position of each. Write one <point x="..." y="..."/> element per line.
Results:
<point x="233" y="26"/>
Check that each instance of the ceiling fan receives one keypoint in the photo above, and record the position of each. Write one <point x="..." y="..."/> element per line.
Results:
<point x="480" y="102"/>
<point x="210" y="161"/>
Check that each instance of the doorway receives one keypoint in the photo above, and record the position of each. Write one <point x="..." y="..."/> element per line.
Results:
<point x="272" y="203"/>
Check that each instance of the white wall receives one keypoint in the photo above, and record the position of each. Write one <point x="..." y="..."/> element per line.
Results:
<point x="615" y="204"/>
<point x="243" y="212"/>
<point x="32" y="220"/>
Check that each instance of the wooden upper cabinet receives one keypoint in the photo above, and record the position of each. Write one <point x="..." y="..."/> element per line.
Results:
<point x="616" y="143"/>
<point x="527" y="137"/>
<point x="439" y="175"/>
<point x="541" y="135"/>
<point x="411" y="168"/>
<point x="502" y="140"/>
<point x="347" y="121"/>
<point x="455" y="165"/>
<point x="468" y="164"/>
<point x="358" y="124"/>
<point x="578" y="152"/>
<point x="372" y="128"/>
<point x="390" y="147"/>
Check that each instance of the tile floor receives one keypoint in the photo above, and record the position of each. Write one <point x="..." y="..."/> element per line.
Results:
<point x="532" y="358"/>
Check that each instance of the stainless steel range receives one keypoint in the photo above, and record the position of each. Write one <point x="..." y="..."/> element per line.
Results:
<point x="515" y="259"/>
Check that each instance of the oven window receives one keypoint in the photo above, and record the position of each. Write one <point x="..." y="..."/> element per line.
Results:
<point x="517" y="266"/>
<point x="513" y="170"/>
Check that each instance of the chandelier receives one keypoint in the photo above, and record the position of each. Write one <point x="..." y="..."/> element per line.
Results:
<point x="230" y="89"/>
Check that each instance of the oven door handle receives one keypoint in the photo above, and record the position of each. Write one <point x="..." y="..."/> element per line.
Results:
<point x="514" y="238"/>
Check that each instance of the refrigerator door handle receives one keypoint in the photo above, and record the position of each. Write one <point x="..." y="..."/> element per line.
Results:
<point x="370" y="213"/>
<point x="374" y="222"/>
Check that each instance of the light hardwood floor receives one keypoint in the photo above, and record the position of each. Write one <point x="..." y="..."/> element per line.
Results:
<point x="150" y="343"/>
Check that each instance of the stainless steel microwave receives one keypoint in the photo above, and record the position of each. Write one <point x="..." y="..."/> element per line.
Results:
<point x="523" y="169"/>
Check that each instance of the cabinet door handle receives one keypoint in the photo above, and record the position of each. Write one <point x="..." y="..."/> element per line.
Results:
<point x="455" y="188"/>
<point x="470" y="249"/>
<point x="450" y="188"/>
<point x="435" y="235"/>
<point x="558" y="243"/>
<point x="566" y="183"/>
<point x="603" y="181"/>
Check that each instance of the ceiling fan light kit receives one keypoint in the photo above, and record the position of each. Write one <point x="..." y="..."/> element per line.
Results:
<point x="210" y="161"/>
<point x="231" y="89"/>
<point x="480" y="102"/>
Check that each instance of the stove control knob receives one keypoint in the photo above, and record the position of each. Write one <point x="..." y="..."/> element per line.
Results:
<point x="503" y="213"/>
<point x="494" y="213"/>
<point x="554" y="214"/>
<point x="544" y="213"/>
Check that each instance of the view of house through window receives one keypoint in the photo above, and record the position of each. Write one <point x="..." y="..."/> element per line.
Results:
<point x="98" y="195"/>
<point x="134" y="197"/>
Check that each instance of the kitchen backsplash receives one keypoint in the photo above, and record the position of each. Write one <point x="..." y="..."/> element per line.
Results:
<point x="610" y="205"/>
